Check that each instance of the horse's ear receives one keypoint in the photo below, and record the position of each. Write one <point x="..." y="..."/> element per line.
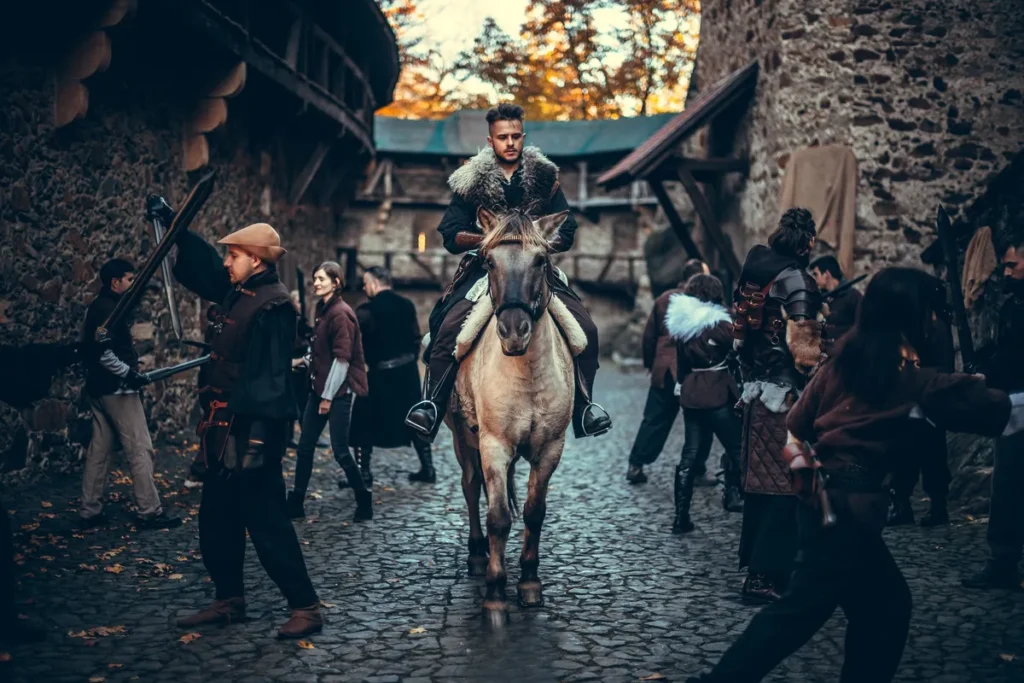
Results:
<point x="549" y="225"/>
<point x="487" y="220"/>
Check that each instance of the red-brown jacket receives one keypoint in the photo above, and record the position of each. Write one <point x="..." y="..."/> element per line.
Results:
<point x="336" y="335"/>
<point x="659" y="349"/>
<point x="702" y="335"/>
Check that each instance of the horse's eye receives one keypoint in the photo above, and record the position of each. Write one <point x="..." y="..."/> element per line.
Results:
<point x="539" y="261"/>
<point x="489" y="263"/>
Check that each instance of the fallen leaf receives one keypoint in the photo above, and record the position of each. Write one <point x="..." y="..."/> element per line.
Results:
<point x="306" y="645"/>
<point x="46" y="504"/>
<point x="97" y="679"/>
<point x="189" y="637"/>
<point x="5" y="656"/>
<point x="1007" y="658"/>
<point x="652" y="677"/>
<point x="113" y="569"/>
<point x="115" y="666"/>
<point x="31" y="526"/>
<point x="87" y="567"/>
<point x="176" y="577"/>
<point x="98" y="632"/>
<point x="181" y="558"/>
<point x="327" y="605"/>
<point x="417" y="630"/>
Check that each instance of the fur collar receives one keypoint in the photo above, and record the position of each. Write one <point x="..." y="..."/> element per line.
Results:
<point x="481" y="181"/>
<point x="688" y="317"/>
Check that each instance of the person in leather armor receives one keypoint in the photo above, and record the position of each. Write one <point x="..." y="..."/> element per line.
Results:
<point x="778" y="336"/>
<point x="244" y="433"/>
<point x="505" y="176"/>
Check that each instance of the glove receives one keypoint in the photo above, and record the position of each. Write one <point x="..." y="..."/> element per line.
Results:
<point x="135" y="380"/>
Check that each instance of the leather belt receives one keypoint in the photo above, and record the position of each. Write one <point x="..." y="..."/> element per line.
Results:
<point x="398" y="362"/>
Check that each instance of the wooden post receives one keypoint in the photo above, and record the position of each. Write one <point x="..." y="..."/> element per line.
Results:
<point x="674" y="219"/>
<point x="581" y="192"/>
<point x="708" y="219"/>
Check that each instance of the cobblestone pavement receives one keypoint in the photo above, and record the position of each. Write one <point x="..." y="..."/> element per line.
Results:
<point x="625" y="599"/>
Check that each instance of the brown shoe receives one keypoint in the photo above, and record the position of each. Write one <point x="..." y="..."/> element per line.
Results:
<point x="220" y="612"/>
<point x="304" y="622"/>
<point x="759" y="589"/>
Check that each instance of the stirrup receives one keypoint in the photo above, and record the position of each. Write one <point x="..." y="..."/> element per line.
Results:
<point x="431" y="407"/>
<point x="583" y="420"/>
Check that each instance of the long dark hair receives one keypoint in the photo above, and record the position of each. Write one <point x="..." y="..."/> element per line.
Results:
<point x="897" y="311"/>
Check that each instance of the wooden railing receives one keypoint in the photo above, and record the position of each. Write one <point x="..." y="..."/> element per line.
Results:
<point x="434" y="268"/>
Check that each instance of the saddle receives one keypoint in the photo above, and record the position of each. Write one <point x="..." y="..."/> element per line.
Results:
<point x="479" y="317"/>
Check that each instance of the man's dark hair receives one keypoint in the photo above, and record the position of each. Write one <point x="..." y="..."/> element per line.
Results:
<point x="114" y="269"/>
<point x="692" y="267"/>
<point x="794" y="234"/>
<point x="380" y="274"/>
<point x="506" y="111"/>
<point x="828" y="264"/>
<point x="707" y="288"/>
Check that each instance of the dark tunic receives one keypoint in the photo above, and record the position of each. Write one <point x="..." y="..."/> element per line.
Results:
<point x="1004" y="368"/>
<point x="659" y="349"/>
<point x="98" y="380"/>
<point x="841" y="317"/>
<point x="261" y="391"/>
<point x="391" y="340"/>
<point x="336" y="336"/>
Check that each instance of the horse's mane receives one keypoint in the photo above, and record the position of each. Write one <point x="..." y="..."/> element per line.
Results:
<point x="514" y="226"/>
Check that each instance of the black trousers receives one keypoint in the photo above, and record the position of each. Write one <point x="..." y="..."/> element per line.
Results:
<point x="254" y="502"/>
<point x="848" y="566"/>
<point x="659" y="415"/>
<point x="768" y="537"/>
<point x="6" y="566"/>
<point x="925" y="455"/>
<point x="701" y="426"/>
<point x="1006" y="513"/>
<point x="312" y="426"/>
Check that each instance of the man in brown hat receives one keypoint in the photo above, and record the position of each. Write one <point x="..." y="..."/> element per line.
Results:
<point x="244" y="432"/>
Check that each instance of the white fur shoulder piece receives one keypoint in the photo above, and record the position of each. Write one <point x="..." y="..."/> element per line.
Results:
<point x="687" y="316"/>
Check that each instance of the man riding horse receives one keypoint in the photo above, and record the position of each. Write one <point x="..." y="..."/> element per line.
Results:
<point x="506" y="176"/>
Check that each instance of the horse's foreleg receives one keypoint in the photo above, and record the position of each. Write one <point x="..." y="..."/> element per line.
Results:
<point x="529" y="587"/>
<point x="472" y="481"/>
<point x="495" y="458"/>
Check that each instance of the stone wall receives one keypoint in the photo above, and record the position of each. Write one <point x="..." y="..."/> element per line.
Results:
<point x="70" y="199"/>
<point x="926" y="93"/>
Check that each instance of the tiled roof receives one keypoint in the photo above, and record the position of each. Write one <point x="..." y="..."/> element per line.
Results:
<point x="649" y="155"/>
<point x="465" y="133"/>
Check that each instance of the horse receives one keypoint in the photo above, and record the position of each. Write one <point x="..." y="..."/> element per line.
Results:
<point x="513" y="396"/>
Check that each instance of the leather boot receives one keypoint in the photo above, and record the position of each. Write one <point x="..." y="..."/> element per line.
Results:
<point x="425" y="417"/>
<point x="937" y="514"/>
<point x="683" y="491"/>
<point x="900" y="512"/>
<point x="220" y="612"/>
<point x="364" y="506"/>
<point x="995" y="574"/>
<point x="588" y="418"/>
<point x="296" y="507"/>
<point x="426" y="473"/>
<point x="353" y="467"/>
<point x="635" y="474"/>
<point x="304" y="622"/>
<point x="732" y="499"/>
<point x="759" y="588"/>
<point x="363" y="456"/>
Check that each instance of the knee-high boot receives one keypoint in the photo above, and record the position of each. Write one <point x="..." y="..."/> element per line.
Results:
<point x="355" y="479"/>
<point x="588" y="418"/>
<point x="363" y="456"/>
<point x="426" y="473"/>
<point x="683" y="496"/>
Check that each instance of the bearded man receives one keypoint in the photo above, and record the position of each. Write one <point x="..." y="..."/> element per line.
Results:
<point x="244" y="434"/>
<point x="505" y="176"/>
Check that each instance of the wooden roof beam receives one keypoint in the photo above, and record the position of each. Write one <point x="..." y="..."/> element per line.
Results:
<point x="708" y="219"/>
<point x="674" y="219"/>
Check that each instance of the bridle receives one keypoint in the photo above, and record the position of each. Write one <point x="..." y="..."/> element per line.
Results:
<point x="534" y="309"/>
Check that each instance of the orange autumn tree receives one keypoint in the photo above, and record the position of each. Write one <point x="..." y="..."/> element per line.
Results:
<point x="560" y="65"/>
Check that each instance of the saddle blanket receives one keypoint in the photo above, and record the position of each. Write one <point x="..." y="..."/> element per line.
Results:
<point x="478" y="318"/>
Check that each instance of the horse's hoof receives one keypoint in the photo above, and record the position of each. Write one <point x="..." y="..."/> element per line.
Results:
<point x="530" y="594"/>
<point x="477" y="566"/>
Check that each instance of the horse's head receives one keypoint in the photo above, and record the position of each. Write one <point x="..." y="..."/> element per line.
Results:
<point x="515" y="253"/>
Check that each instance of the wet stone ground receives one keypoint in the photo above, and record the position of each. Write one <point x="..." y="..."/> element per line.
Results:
<point x="626" y="600"/>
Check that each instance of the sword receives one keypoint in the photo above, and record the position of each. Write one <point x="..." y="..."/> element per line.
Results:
<point x="949" y="251"/>
<point x="158" y="211"/>
<point x="195" y="200"/>
<point x="164" y="373"/>
<point x="843" y="287"/>
<point x="301" y="279"/>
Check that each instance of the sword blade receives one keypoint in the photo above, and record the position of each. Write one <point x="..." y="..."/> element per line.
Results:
<point x="195" y="200"/>
<point x="165" y="273"/>
<point x="164" y="373"/>
<point x="963" y="330"/>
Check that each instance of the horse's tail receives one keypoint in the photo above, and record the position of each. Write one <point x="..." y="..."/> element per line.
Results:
<point x="510" y="489"/>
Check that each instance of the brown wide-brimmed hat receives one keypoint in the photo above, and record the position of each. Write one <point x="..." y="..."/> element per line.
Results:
<point x="259" y="239"/>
